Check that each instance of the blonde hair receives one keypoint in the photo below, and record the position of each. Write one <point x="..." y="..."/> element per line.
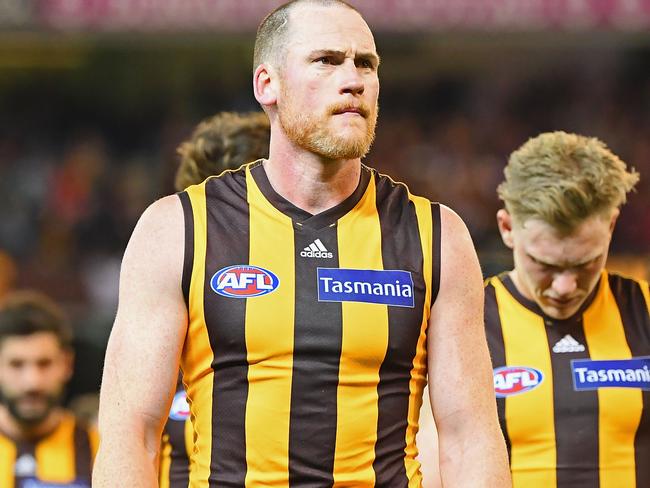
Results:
<point x="564" y="178"/>
<point x="224" y="141"/>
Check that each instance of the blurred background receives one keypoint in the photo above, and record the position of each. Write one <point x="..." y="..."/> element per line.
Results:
<point x="95" y="95"/>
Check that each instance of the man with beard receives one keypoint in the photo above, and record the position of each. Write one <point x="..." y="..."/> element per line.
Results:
<point x="306" y="296"/>
<point x="41" y="444"/>
<point x="570" y="342"/>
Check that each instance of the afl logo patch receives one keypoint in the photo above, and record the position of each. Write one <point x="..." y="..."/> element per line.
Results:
<point x="512" y="380"/>
<point x="244" y="281"/>
<point x="180" y="409"/>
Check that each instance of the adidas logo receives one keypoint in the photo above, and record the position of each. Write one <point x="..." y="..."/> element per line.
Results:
<point x="568" y="344"/>
<point x="316" y="250"/>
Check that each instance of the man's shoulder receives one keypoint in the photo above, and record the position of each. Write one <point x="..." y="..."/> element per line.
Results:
<point x="223" y="185"/>
<point x="626" y="286"/>
<point x="388" y="187"/>
<point x="617" y="277"/>
<point x="495" y="280"/>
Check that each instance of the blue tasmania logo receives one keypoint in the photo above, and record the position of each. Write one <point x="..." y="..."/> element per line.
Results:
<point x="621" y="373"/>
<point x="387" y="287"/>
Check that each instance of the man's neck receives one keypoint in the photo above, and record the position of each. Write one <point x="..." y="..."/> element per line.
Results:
<point x="311" y="182"/>
<point x="20" y="431"/>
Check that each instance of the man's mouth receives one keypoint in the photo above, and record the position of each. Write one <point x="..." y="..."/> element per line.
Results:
<point x="351" y="110"/>
<point x="562" y="302"/>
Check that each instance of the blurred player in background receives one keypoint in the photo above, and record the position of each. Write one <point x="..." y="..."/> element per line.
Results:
<point x="306" y="296"/>
<point x="41" y="444"/>
<point x="224" y="141"/>
<point x="570" y="342"/>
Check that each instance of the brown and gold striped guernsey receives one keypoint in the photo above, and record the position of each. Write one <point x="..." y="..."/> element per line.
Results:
<point x="62" y="458"/>
<point x="573" y="396"/>
<point x="305" y="357"/>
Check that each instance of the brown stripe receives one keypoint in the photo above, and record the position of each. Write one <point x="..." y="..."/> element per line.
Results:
<point x="188" y="259"/>
<point x="83" y="453"/>
<point x="317" y="348"/>
<point x="401" y="249"/>
<point x="576" y="419"/>
<point x="496" y="345"/>
<point x="227" y="245"/>
<point x="435" y="281"/>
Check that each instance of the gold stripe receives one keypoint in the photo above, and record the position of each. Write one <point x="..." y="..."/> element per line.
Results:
<point x="93" y="436"/>
<point x="619" y="409"/>
<point x="165" y="462"/>
<point x="55" y="456"/>
<point x="419" y="369"/>
<point x="197" y="355"/>
<point x="533" y="451"/>
<point x="269" y="345"/>
<point x="7" y="460"/>
<point x="363" y="348"/>
<point x="188" y="435"/>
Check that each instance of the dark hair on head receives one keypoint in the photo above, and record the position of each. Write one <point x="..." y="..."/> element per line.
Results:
<point x="272" y="32"/>
<point x="23" y="313"/>
<point x="224" y="141"/>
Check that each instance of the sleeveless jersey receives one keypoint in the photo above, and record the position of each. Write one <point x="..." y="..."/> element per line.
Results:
<point x="305" y="356"/>
<point x="62" y="459"/>
<point x="573" y="395"/>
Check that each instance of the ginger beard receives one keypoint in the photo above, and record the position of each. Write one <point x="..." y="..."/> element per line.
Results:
<point x="311" y="131"/>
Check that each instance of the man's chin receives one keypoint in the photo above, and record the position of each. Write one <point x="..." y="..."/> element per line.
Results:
<point x="30" y="415"/>
<point x="559" y="312"/>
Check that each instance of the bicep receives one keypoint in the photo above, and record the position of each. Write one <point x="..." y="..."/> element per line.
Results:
<point x="459" y="366"/>
<point x="141" y="363"/>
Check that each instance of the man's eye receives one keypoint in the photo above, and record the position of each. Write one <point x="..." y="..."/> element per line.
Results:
<point x="324" y="60"/>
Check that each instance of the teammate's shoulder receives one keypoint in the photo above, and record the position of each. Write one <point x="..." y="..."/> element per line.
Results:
<point x="231" y="177"/>
<point x="622" y="283"/>
<point x="389" y="187"/>
<point x="496" y="280"/>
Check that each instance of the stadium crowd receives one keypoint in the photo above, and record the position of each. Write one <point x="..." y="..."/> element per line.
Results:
<point x="73" y="186"/>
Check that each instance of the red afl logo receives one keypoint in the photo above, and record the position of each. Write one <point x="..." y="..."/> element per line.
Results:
<point x="512" y="380"/>
<point x="243" y="281"/>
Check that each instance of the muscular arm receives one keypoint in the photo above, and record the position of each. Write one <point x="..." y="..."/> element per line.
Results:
<point x="142" y="356"/>
<point x="472" y="449"/>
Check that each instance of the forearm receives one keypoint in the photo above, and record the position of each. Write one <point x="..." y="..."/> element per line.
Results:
<point x="122" y="460"/>
<point x="473" y="456"/>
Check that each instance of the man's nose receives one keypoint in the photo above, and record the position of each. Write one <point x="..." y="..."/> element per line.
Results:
<point x="32" y="377"/>
<point x="352" y="82"/>
<point x="565" y="283"/>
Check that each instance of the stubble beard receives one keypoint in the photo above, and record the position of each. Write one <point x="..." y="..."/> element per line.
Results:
<point x="311" y="133"/>
<point x="51" y="401"/>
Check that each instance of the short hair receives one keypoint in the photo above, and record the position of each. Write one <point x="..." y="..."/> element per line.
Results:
<point x="224" y="141"/>
<point x="271" y="38"/>
<point x="563" y="179"/>
<point x="23" y="313"/>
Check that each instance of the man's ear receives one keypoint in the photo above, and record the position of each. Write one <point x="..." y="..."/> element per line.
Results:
<point x="264" y="86"/>
<point x="612" y="223"/>
<point x="505" y="224"/>
<point x="68" y="358"/>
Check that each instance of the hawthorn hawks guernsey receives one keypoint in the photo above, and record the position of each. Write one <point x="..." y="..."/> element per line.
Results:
<point x="573" y="395"/>
<point x="305" y="356"/>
